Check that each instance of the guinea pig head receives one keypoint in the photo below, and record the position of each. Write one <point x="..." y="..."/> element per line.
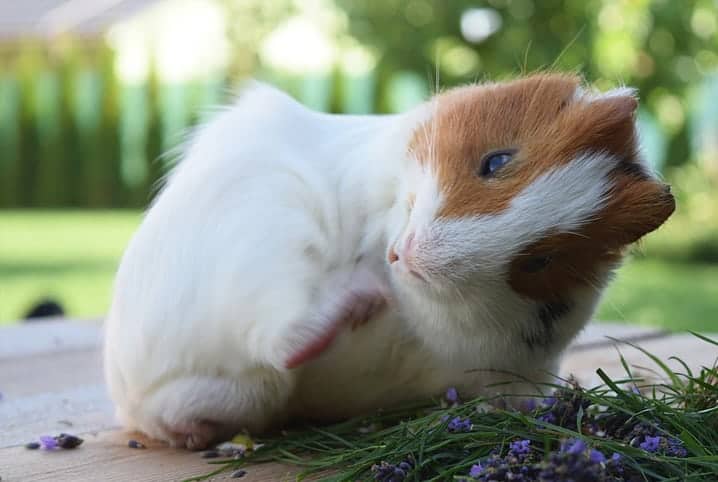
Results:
<point x="537" y="184"/>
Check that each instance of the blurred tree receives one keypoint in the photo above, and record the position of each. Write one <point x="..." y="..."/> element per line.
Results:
<point x="662" y="47"/>
<point x="9" y="138"/>
<point x="248" y="22"/>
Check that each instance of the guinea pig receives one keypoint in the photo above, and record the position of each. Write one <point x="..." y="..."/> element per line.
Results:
<point x="298" y="264"/>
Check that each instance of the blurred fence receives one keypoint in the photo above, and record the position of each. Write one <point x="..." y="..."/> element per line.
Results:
<point x="73" y="135"/>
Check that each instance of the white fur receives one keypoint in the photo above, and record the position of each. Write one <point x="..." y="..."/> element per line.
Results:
<point x="562" y="200"/>
<point x="590" y="95"/>
<point x="267" y="214"/>
<point x="475" y="252"/>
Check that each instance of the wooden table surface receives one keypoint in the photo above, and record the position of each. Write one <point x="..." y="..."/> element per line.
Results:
<point x="51" y="382"/>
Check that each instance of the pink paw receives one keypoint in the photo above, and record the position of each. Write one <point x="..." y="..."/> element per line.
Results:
<point x="194" y="435"/>
<point x="362" y="297"/>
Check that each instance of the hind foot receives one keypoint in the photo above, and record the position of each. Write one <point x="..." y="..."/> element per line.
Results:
<point x="197" y="435"/>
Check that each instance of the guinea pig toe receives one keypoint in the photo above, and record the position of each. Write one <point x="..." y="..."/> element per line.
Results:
<point x="196" y="441"/>
<point x="193" y="435"/>
<point x="366" y="306"/>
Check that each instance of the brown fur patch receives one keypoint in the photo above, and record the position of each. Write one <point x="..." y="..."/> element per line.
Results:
<point x="540" y="118"/>
<point x="637" y="206"/>
<point x="537" y="116"/>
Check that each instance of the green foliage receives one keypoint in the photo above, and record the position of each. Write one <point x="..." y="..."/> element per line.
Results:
<point x="692" y="233"/>
<point x="663" y="48"/>
<point x="68" y="255"/>
<point x="672" y="295"/>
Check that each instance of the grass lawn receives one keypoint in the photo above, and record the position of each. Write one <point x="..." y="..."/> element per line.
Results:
<point x="72" y="256"/>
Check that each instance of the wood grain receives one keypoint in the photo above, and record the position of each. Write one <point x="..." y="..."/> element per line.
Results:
<point x="105" y="456"/>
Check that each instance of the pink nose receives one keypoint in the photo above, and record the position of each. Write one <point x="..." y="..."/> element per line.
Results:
<point x="408" y="245"/>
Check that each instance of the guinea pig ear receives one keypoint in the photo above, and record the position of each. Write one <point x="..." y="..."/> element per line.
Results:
<point x="626" y="96"/>
<point x="638" y="204"/>
<point x="623" y="106"/>
<point x="607" y="122"/>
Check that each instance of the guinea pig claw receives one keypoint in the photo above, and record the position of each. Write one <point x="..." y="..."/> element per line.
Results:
<point x="194" y="435"/>
<point x="365" y="308"/>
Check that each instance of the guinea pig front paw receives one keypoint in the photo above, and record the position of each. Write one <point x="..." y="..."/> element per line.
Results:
<point x="350" y="300"/>
<point x="366" y="297"/>
<point x="363" y="306"/>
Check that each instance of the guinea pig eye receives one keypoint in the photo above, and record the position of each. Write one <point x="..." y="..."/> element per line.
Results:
<point x="494" y="161"/>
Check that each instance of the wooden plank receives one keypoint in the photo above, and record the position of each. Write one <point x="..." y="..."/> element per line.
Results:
<point x="694" y="352"/>
<point x="54" y="335"/>
<point x="51" y="381"/>
<point x="51" y="375"/>
<point x="105" y="456"/>
<point x="598" y="333"/>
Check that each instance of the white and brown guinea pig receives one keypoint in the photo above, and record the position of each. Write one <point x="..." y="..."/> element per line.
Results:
<point x="305" y="265"/>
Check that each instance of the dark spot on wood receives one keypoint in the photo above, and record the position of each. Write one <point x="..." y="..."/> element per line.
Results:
<point x="134" y="444"/>
<point x="68" y="441"/>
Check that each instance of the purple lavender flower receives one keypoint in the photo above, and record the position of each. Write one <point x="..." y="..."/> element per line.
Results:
<point x="596" y="456"/>
<point x="547" y="418"/>
<point x="675" y="448"/>
<point x="497" y="468"/>
<point x="649" y="437"/>
<point x="634" y="433"/>
<point x="452" y="395"/>
<point x="651" y="444"/>
<point x="520" y="447"/>
<point x="577" y="461"/>
<point x="387" y="472"/>
<point x="458" y="424"/>
<point x="48" y="442"/>
<point x="530" y="405"/>
<point x="476" y="471"/>
<point x="563" y="408"/>
<point x="573" y="446"/>
<point x="616" y="457"/>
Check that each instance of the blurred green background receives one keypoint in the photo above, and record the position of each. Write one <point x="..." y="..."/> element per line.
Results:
<point x="94" y="101"/>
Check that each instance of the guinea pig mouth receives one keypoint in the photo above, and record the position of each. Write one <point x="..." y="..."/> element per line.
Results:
<point x="405" y="267"/>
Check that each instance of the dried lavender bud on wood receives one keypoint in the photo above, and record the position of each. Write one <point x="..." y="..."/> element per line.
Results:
<point x="134" y="444"/>
<point x="210" y="454"/>
<point x="67" y="441"/>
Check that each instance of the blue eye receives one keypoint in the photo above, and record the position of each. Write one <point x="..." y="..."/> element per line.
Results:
<point x="495" y="161"/>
